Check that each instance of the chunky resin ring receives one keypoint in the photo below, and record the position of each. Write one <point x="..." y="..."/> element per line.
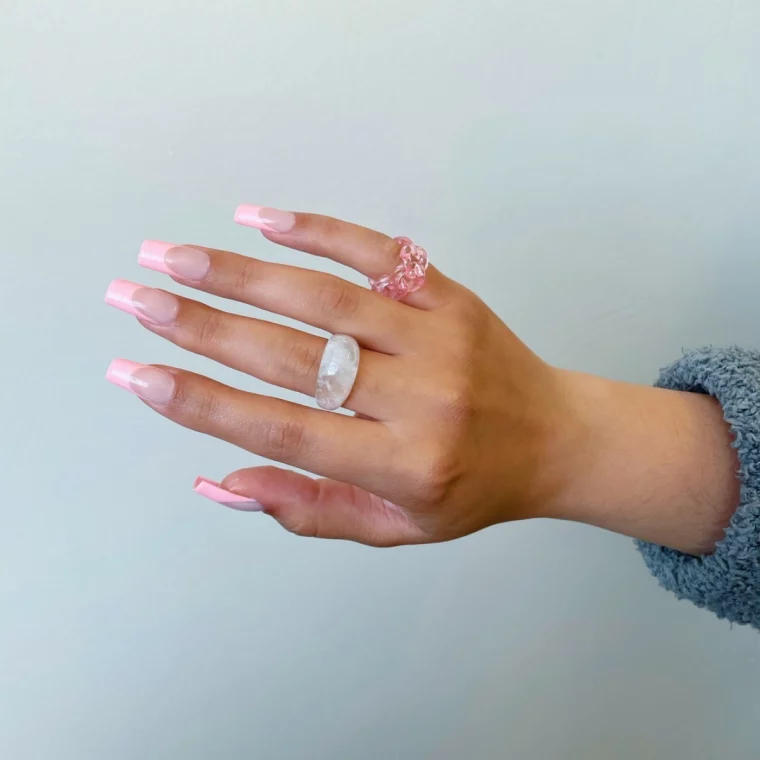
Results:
<point x="408" y="276"/>
<point x="337" y="372"/>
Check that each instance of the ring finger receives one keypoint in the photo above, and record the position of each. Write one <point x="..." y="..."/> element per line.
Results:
<point x="332" y="445"/>
<point x="274" y="353"/>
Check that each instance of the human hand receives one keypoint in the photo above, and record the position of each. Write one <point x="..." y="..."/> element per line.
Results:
<point x="456" y="419"/>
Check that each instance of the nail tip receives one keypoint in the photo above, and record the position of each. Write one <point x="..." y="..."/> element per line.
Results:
<point x="265" y="218"/>
<point x="211" y="490"/>
<point x="145" y="246"/>
<point x="115" y="287"/>
<point x="109" y="291"/>
<point x="247" y="214"/>
<point x="120" y="370"/>
<point x="112" y="373"/>
<point x="200" y="482"/>
<point x="149" y="246"/>
<point x="151" y="255"/>
<point x="120" y="295"/>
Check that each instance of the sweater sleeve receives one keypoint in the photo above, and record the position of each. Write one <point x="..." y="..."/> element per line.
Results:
<point x="727" y="581"/>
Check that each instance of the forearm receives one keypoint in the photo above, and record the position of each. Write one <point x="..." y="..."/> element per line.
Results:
<point x="653" y="464"/>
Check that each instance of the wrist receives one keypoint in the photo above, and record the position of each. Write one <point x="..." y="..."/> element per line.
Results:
<point x="649" y="463"/>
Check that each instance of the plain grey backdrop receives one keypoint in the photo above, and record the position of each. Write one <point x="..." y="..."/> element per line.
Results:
<point x="590" y="168"/>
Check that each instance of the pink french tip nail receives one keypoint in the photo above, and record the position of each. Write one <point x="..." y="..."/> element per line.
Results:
<point x="152" y="254"/>
<point x="146" y="303"/>
<point x="265" y="218"/>
<point x="157" y="386"/>
<point x="215" y="492"/>
<point x="180" y="261"/>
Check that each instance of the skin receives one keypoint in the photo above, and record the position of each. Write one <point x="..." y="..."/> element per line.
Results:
<point x="458" y="425"/>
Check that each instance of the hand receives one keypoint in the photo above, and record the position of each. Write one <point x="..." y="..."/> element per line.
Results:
<point x="457" y="422"/>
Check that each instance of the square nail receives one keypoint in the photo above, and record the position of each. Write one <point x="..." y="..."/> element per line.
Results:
<point x="180" y="261"/>
<point x="265" y="218"/>
<point x="212" y="490"/>
<point x="156" y="386"/>
<point x="149" y="304"/>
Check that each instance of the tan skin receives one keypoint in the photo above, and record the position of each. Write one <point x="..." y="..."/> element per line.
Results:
<point x="458" y="426"/>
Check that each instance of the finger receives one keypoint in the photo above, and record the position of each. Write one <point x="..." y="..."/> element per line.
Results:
<point x="333" y="445"/>
<point x="367" y="251"/>
<point x="274" y="353"/>
<point x="315" y="298"/>
<point x="315" y="508"/>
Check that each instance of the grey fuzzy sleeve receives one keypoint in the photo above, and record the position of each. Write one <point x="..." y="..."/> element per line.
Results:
<point x="727" y="581"/>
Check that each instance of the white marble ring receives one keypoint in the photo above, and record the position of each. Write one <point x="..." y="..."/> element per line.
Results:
<point x="337" y="372"/>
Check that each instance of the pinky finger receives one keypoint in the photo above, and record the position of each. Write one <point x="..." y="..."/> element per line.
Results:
<point x="317" y="508"/>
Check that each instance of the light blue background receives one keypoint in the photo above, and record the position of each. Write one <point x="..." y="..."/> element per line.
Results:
<point x="590" y="168"/>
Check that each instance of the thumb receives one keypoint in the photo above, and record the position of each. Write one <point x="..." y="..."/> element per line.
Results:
<point x="318" y="508"/>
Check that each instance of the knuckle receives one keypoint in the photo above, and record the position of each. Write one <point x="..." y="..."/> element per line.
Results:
<point x="304" y="526"/>
<point x="328" y="226"/>
<point x="247" y="276"/>
<point x="472" y="323"/>
<point x="300" y="362"/>
<point x="430" y="474"/>
<point x="209" y="331"/>
<point x="472" y="308"/>
<point x="285" y="438"/>
<point x="321" y="230"/>
<point x="438" y="474"/>
<point x="457" y="401"/>
<point x="337" y="300"/>
<point x="206" y="411"/>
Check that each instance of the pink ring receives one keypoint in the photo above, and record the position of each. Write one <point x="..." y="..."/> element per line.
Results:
<point x="408" y="276"/>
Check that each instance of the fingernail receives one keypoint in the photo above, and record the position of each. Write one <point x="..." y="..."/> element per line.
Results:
<point x="154" y="385"/>
<point x="175" y="260"/>
<point x="215" y="492"/>
<point x="153" y="305"/>
<point x="263" y="218"/>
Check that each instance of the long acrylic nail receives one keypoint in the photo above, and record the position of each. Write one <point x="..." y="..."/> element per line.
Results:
<point x="157" y="386"/>
<point x="152" y="305"/>
<point x="212" y="490"/>
<point x="264" y="218"/>
<point x="181" y="261"/>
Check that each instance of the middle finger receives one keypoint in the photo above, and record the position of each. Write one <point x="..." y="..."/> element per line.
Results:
<point x="315" y="298"/>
